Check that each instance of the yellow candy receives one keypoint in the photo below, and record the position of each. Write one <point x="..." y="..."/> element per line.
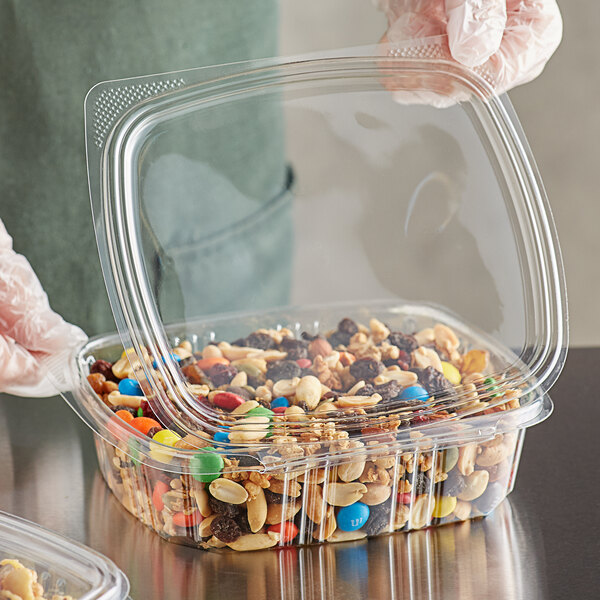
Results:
<point x="444" y="505"/>
<point x="451" y="373"/>
<point x="167" y="438"/>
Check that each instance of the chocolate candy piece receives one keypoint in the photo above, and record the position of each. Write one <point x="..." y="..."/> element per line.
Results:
<point x="206" y="465"/>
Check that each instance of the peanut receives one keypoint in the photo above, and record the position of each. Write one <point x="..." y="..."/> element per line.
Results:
<point x="309" y="391"/>
<point x="344" y="494"/>
<point x="376" y="494"/>
<point x="276" y="513"/>
<point x="350" y="471"/>
<point x="257" y="510"/>
<point x="314" y="503"/>
<point x="255" y="541"/>
<point x="249" y="429"/>
<point x="228" y="491"/>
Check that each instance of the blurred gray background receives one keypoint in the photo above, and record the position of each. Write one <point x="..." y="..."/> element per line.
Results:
<point x="558" y="112"/>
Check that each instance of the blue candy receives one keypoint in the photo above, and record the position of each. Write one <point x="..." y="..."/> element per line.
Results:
<point x="414" y="392"/>
<point x="281" y="401"/>
<point x="173" y="356"/>
<point x="130" y="387"/>
<point x="221" y="437"/>
<point x="353" y="517"/>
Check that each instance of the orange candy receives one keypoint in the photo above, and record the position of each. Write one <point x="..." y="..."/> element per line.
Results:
<point x="160" y="489"/>
<point x="144" y="424"/>
<point x="182" y="520"/>
<point x="125" y="415"/>
<point x="206" y="363"/>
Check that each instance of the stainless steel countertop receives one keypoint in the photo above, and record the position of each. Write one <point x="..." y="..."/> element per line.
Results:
<point x="541" y="543"/>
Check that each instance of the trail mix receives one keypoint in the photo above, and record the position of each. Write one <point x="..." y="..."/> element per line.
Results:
<point x="349" y="391"/>
<point x="17" y="582"/>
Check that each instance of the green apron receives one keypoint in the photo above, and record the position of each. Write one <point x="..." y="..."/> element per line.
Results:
<point x="52" y="53"/>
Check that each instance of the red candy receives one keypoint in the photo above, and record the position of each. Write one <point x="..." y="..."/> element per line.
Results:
<point x="404" y="498"/>
<point x="279" y="409"/>
<point x="159" y="489"/>
<point x="182" y="520"/>
<point x="227" y="400"/>
<point x="304" y="363"/>
<point x="287" y="530"/>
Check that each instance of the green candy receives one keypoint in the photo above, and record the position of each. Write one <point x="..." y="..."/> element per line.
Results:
<point x="489" y="381"/>
<point x="134" y="450"/>
<point x="140" y="412"/>
<point x="206" y="465"/>
<point x="260" y="411"/>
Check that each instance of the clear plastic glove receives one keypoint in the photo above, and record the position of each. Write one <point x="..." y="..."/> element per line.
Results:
<point x="508" y="42"/>
<point x="34" y="340"/>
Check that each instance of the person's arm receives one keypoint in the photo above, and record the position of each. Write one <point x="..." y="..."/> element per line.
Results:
<point x="32" y="335"/>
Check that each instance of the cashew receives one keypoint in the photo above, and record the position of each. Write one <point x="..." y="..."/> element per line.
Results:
<point x="466" y="459"/>
<point x="476" y="484"/>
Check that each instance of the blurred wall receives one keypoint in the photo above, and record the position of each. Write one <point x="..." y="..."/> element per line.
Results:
<point x="559" y="113"/>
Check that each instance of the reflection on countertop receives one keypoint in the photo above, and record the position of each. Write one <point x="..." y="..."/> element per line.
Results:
<point x="485" y="558"/>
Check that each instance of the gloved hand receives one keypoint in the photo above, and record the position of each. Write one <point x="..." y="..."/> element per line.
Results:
<point x="508" y="42"/>
<point x="34" y="340"/>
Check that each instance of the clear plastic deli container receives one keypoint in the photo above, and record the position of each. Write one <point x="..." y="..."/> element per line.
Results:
<point x="341" y="307"/>
<point x="36" y="563"/>
<point x="496" y="557"/>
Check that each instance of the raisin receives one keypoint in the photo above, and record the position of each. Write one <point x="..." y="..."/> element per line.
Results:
<point x="367" y="390"/>
<point x="225" y="529"/>
<point x="247" y="461"/>
<point x="347" y="326"/>
<point x="283" y="369"/>
<point x="453" y="485"/>
<point x="433" y="381"/>
<point x="379" y="518"/>
<point x="407" y="343"/>
<point x="220" y="374"/>
<point x="421" y="484"/>
<point x="153" y="431"/>
<point x="339" y="338"/>
<point x="222" y="508"/>
<point x="309" y="337"/>
<point x="240" y="391"/>
<point x="366" y="368"/>
<point x="255" y="381"/>
<point x="147" y="410"/>
<point x="262" y="341"/>
<point x="388" y="391"/>
<point x="130" y="410"/>
<point x="295" y="349"/>
<point x="390" y="362"/>
<point x="195" y="375"/>
<point x="104" y="368"/>
<point x="185" y="362"/>
<point x="273" y="498"/>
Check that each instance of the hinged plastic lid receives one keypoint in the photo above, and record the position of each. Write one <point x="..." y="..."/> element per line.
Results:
<point x="327" y="185"/>
<point x="62" y="566"/>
